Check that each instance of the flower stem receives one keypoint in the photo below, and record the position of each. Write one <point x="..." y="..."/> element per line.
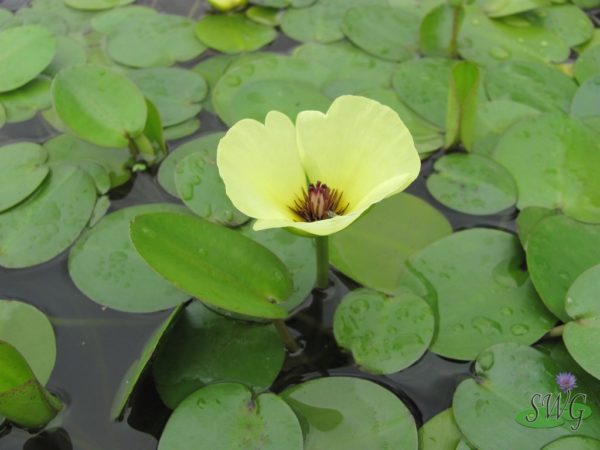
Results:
<point x="144" y="147"/>
<point x="286" y="337"/>
<point x="322" y="243"/>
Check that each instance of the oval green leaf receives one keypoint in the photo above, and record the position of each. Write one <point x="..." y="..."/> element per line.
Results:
<point x="440" y="432"/>
<point x="233" y="33"/>
<point x="96" y="5"/>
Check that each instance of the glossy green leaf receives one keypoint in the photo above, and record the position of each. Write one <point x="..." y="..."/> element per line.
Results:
<point x="109" y="21"/>
<point x="181" y="130"/>
<point x="176" y="92"/>
<point x="49" y="221"/>
<point x="351" y="413"/>
<point x="528" y="219"/>
<point x="440" y="432"/>
<point x="383" y="31"/>
<point x="373" y="249"/>
<point x="586" y="103"/>
<point x="96" y="5"/>
<point x="582" y="334"/>
<point x="219" y="266"/>
<point x="574" y="442"/>
<point x="76" y="20"/>
<point x="206" y="348"/>
<point x="233" y="33"/>
<point x="508" y="376"/>
<point x="153" y="131"/>
<point x="23" y="104"/>
<point x="99" y="105"/>
<point x="105" y="266"/>
<point x="22" y="170"/>
<point x="491" y="268"/>
<point x="28" y="330"/>
<point x="499" y="8"/>
<point x="435" y="32"/>
<point x="69" y="52"/>
<point x="24" y="53"/>
<point x="264" y="15"/>
<point x="568" y="22"/>
<point x="588" y="64"/>
<point x="553" y="159"/>
<point x="558" y="251"/>
<point x="472" y="184"/>
<point x="385" y="334"/>
<point x="201" y="188"/>
<point x="462" y="104"/>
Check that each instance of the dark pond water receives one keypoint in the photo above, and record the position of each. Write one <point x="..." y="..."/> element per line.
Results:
<point x="96" y="346"/>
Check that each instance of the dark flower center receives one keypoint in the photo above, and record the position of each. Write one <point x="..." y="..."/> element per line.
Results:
<point x="319" y="203"/>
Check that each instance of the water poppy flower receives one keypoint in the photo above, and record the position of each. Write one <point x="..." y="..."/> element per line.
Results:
<point x="319" y="175"/>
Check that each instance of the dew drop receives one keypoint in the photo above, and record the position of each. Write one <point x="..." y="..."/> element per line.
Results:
<point x="519" y="329"/>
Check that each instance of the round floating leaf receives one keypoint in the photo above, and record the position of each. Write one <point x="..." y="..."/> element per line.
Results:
<point x="508" y="376"/>
<point x="558" y="251"/>
<point x="373" y="250"/>
<point x="538" y="85"/>
<point x="25" y="52"/>
<point x="528" y="219"/>
<point x="385" y="334"/>
<point x="386" y="32"/>
<point x="582" y="335"/>
<point x="569" y="22"/>
<point x="233" y="33"/>
<point x="48" y="222"/>
<point x="423" y="84"/>
<point x="23" y="104"/>
<point x="30" y="332"/>
<point x="495" y="8"/>
<point x="264" y="15"/>
<point x="588" y="64"/>
<point x="139" y="366"/>
<point x="553" y="159"/>
<point x="105" y="266"/>
<point x="176" y="92"/>
<point x="96" y="5"/>
<point x="215" y="264"/>
<point x="229" y="416"/>
<point x="202" y="190"/>
<point x="351" y="413"/>
<point x="69" y="52"/>
<point x="472" y="184"/>
<point x="181" y="130"/>
<point x="22" y="170"/>
<point x="298" y="255"/>
<point x="586" y="103"/>
<point x="487" y="41"/>
<point x="440" y="432"/>
<point x="205" y="348"/>
<point x="460" y="270"/>
<point x="280" y="83"/>
<point x="99" y="105"/>
<point x="109" y="21"/>
<point x="574" y="442"/>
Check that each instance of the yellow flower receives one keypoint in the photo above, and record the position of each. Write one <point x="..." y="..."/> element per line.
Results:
<point x="227" y="5"/>
<point x="319" y="175"/>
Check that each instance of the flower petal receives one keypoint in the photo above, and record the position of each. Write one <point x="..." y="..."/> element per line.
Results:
<point x="318" y="228"/>
<point x="261" y="168"/>
<point x="357" y="147"/>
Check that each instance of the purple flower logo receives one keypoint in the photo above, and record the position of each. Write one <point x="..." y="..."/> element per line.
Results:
<point x="566" y="381"/>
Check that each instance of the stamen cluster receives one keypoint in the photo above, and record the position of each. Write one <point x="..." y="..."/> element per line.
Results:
<point x="319" y="203"/>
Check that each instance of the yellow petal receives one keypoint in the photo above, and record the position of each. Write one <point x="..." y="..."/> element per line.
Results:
<point x="319" y="228"/>
<point x="260" y="167"/>
<point x="359" y="147"/>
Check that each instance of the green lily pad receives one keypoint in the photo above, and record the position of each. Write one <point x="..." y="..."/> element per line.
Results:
<point x="166" y="173"/>
<point x="472" y="184"/>
<point x="99" y="105"/>
<point x="176" y="92"/>
<point x="508" y="376"/>
<point x="27" y="329"/>
<point x="220" y="266"/>
<point x="76" y="20"/>
<point x="106" y="268"/>
<point x="153" y="40"/>
<point x="24" y="53"/>
<point x="528" y="219"/>
<point x="264" y="15"/>
<point x="568" y="22"/>
<point x="233" y="33"/>
<point x="280" y="83"/>
<point x="490" y="268"/>
<point x="68" y="149"/>
<point x="49" y="221"/>
<point x="206" y="348"/>
<point x="586" y="103"/>
<point x="581" y="336"/>
<point x="385" y="334"/>
<point x="440" y="432"/>
<point x="96" y="5"/>
<point x="283" y="3"/>
<point x="574" y="442"/>
<point x="23" y="104"/>
<point x="298" y="255"/>
<point x="553" y="159"/>
<point x="588" y="64"/>
<point x="181" y="130"/>
<point x="386" y="32"/>
<point x="423" y="84"/>
<point x="264" y="422"/>
<point x="373" y="249"/>
<point x="489" y="41"/>
<point x="22" y="170"/>
<point x="69" y="52"/>
<point x="322" y="21"/>
<point x="351" y="413"/>
<point x="202" y="190"/>
<point x="540" y="86"/>
<point x="139" y="366"/>
<point x="109" y="21"/>
<point x="558" y="251"/>
<point x="495" y="8"/>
